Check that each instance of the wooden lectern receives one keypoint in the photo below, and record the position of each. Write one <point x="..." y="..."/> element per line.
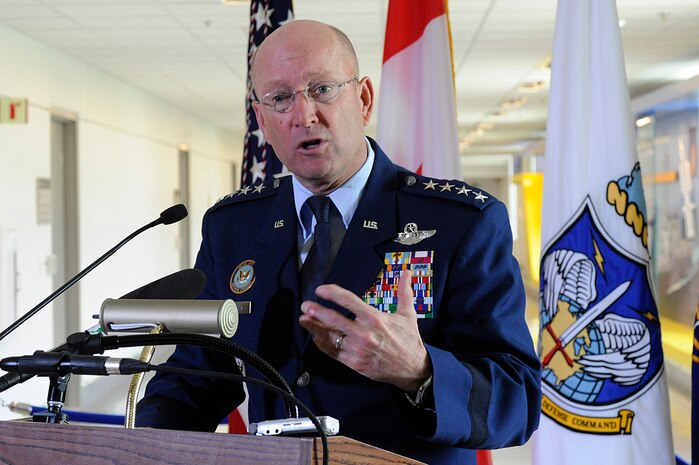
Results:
<point x="27" y="443"/>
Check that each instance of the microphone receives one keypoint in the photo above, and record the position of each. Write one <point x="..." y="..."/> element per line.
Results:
<point x="177" y="316"/>
<point x="172" y="215"/>
<point x="52" y="363"/>
<point x="183" y="284"/>
<point x="169" y="216"/>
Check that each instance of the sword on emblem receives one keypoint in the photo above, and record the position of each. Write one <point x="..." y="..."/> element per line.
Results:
<point x="588" y="317"/>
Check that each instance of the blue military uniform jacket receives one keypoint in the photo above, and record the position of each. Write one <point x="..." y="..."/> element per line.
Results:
<point x="486" y="390"/>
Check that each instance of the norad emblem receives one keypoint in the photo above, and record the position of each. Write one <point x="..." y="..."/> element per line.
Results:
<point x="599" y="338"/>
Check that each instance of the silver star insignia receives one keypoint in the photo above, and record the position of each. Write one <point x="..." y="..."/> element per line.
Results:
<point x="244" y="190"/>
<point x="481" y="197"/>
<point x="258" y="188"/>
<point x="430" y="185"/>
<point x="463" y="190"/>
<point x="446" y="187"/>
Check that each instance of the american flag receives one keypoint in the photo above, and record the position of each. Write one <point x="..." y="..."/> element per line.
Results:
<point x="259" y="160"/>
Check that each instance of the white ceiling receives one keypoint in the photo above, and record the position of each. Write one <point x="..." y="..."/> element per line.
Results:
<point x="192" y="53"/>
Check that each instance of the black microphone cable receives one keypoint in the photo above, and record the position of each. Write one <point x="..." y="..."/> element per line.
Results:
<point x="91" y="344"/>
<point x="209" y="342"/>
<point x="288" y="398"/>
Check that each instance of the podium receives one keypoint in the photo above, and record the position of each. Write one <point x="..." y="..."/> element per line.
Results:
<point x="48" y="444"/>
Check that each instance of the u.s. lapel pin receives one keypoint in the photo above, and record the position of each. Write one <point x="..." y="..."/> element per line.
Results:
<point x="412" y="235"/>
<point x="370" y="224"/>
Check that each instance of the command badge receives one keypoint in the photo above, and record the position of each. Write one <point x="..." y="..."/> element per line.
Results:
<point x="243" y="277"/>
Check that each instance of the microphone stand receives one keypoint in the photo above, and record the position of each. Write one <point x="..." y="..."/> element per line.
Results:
<point x="86" y="343"/>
<point x="77" y="343"/>
<point x="58" y="385"/>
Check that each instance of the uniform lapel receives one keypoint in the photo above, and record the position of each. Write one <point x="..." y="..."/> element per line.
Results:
<point x="277" y="244"/>
<point x="374" y="223"/>
<point x="278" y="236"/>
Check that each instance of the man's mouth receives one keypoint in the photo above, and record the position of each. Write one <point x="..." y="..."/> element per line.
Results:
<point x="310" y="144"/>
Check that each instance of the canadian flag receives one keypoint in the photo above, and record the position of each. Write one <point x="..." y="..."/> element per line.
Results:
<point x="417" y="110"/>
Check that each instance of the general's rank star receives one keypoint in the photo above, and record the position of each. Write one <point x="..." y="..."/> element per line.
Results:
<point x="481" y="197"/>
<point x="463" y="190"/>
<point x="430" y="185"/>
<point x="446" y="187"/>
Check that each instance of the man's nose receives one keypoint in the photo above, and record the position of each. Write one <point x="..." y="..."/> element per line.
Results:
<point x="305" y="110"/>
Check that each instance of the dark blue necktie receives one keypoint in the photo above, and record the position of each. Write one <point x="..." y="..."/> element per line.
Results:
<point x="327" y="235"/>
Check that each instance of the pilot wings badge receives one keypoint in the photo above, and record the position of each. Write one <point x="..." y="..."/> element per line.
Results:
<point x="412" y="235"/>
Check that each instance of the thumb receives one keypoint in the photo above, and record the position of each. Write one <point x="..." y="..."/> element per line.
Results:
<point x="406" y="299"/>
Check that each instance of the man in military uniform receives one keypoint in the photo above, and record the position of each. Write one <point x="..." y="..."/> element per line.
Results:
<point x="430" y="366"/>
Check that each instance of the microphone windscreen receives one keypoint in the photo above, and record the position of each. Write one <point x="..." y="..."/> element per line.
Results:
<point x="173" y="214"/>
<point x="181" y="285"/>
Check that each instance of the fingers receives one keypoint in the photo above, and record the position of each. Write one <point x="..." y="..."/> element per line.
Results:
<point x="406" y="298"/>
<point x="348" y="300"/>
<point x="315" y="317"/>
<point x="328" y="339"/>
<point x="343" y="298"/>
<point x="382" y="346"/>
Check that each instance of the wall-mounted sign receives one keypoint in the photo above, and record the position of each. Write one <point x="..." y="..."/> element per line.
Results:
<point x="13" y="110"/>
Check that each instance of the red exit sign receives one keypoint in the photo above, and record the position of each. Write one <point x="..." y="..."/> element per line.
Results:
<point x="13" y="110"/>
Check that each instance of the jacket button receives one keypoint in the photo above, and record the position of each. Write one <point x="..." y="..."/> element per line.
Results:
<point x="410" y="180"/>
<point x="303" y="379"/>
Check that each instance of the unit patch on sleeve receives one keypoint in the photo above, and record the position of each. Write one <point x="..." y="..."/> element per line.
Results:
<point x="383" y="294"/>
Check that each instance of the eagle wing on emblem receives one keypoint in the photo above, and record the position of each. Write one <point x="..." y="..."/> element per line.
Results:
<point x="627" y="344"/>
<point x="567" y="274"/>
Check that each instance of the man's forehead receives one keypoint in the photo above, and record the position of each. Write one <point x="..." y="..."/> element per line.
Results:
<point x="278" y="82"/>
<point x="297" y="71"/>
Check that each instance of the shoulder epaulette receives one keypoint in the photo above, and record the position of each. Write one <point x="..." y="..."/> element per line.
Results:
<point x="248" y="193"/>
<point x="457" y="191"/>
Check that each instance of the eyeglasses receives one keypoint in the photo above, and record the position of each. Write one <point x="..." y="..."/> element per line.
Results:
<point x="282" y="101"/>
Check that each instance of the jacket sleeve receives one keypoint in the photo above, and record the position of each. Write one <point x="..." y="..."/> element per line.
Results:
<point x="486" y="375"/>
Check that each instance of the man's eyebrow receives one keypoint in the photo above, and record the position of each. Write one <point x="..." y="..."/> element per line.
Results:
<point x="277" y="85"/>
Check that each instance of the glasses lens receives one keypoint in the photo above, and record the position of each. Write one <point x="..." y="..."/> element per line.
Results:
<point x="280" y="101"/>
<point x="324" y="91"/>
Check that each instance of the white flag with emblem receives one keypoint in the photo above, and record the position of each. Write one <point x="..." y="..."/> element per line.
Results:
<point x="605" y="397"/>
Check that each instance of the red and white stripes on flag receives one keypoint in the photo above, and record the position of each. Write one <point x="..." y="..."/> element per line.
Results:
<point x="417" y="111"/>
<point x="605" y="397"/>
<point x="260" y="163"/>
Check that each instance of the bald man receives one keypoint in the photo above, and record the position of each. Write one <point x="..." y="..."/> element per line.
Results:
<point x="416" y="342"/>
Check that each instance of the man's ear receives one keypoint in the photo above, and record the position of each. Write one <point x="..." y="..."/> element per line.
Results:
<point x="259" y="114"/>
<point x="366" y="94"/>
